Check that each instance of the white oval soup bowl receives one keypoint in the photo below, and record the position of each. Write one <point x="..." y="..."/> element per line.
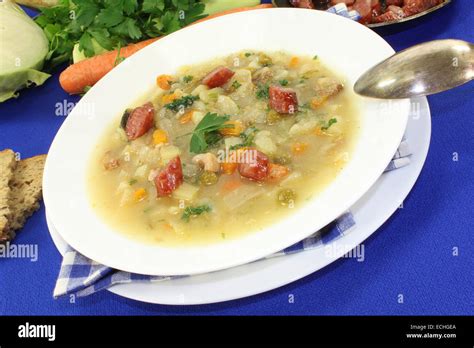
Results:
<point x="344" y="46"/>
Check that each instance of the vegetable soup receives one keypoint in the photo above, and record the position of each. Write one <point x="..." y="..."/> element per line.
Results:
<point x="223" y="148"/>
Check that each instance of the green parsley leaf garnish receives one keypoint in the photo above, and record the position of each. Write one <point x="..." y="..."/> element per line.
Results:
<point x="188" y="78"/>
<point x="206" y="132"/>
<point x="190" y="212"/>
<point x="183" y="102"/>
<point x="248" y="137"/>
<point x="283" y="82"/>
<point x="236" y="84"/>
<point x="329" y="124"/>
<point x="263" y="91"/>
<point x="212" y="138"/>
<point x="248" y="54"/>
<point x="315" y="57"/>
<point x="133" y="182"/>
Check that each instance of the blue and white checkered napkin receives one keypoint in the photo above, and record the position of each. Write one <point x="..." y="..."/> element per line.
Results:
<point x="82" y="276"/>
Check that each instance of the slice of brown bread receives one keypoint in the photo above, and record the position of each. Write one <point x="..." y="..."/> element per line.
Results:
<point x="7" y="165"/>
<point x="26" y="188"/>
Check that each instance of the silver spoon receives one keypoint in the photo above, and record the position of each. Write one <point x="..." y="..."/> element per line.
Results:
<point x="421" y="70"/>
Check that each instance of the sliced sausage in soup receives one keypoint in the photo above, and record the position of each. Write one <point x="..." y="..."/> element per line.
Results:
<point x="283" y="100"/>
<point x="256" y="167"/>
<point x="140" y="121"/>
<point x="218" y="77"/>
<point x="170" y="178"/>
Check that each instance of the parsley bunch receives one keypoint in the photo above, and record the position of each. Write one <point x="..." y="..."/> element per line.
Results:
<point x="111" y="24"/>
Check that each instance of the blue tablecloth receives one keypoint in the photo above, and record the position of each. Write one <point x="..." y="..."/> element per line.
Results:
<point x="412" y="254"/>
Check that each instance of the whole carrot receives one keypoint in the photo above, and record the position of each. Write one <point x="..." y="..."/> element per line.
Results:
<point x="75" y="78"/>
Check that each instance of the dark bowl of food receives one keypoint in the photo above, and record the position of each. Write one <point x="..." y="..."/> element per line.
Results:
<point x="374" y="13"/>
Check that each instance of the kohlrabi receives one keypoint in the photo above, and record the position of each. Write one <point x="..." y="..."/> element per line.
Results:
<point x="23" y="49"/>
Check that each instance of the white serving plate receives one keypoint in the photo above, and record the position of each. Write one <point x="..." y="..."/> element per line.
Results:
<point x="370" y="212"/>
<point x="344" y="45"/>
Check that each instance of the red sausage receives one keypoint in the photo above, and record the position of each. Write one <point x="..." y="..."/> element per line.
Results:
<point x="257" y="168"/>
<point x="170" y="178"/>
<point x="218" y="77"/>
<point x="283" y="100"/>
<point x="140" y="121"/>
